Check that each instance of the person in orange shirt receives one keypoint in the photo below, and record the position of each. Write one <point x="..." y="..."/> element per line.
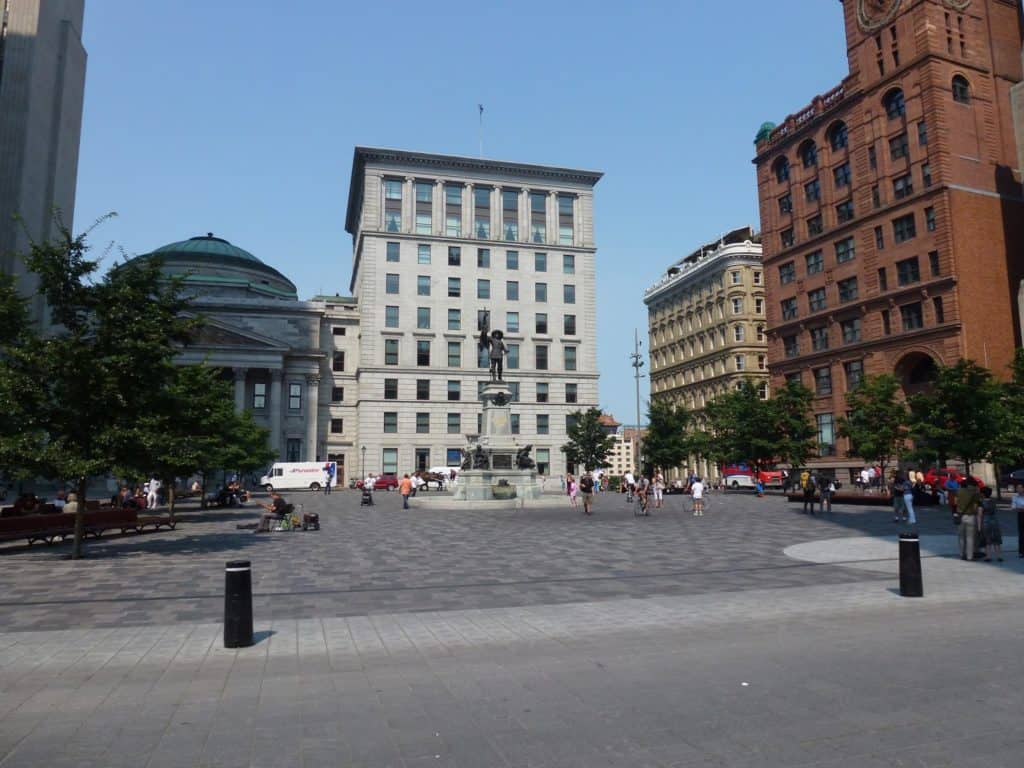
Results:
<point x="405" y="488"/>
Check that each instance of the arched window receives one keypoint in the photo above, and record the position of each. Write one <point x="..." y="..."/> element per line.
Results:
<point x="781" y="169"/>
<point x="893" y="103"/>
<point x="837" y="135"/>
<point x="961" y="90"/>
<point x="808" y="153"/>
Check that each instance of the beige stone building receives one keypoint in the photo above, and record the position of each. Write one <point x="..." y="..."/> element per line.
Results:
<point x="706" y="319"/>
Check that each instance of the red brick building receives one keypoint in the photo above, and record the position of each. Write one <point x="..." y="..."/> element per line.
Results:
<point x="892" y="223"/>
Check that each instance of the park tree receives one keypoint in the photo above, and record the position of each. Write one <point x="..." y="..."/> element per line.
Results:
<point x="667" y="444"/>
<point x="1008" y="445"/>
<point x="959" y="415"/>
<point x="793" y="433"/>
<point x="742" y="426"/>
<point x="876" y="420"/>
<point x="101" y="367"/>
<point x="588" y="443"/>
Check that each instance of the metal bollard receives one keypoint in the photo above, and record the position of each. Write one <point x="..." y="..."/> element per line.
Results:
<point x="911" y="584"/>
<point x="238" y="604"/>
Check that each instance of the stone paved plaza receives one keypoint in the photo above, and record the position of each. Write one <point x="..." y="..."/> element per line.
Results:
<point x="754" y="636"/>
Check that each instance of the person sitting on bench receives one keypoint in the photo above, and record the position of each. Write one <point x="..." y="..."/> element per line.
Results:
<point x="277" y="507"/>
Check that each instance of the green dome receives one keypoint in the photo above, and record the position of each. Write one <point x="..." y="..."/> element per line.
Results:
<point x="764" y="132"/>
<point x="209" y="245"/>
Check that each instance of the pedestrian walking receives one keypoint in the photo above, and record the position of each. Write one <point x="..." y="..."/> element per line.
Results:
<point x="908" y="502"/>
<point x="989" y="524"/>
<point x="587" y="489"/>
<point x="151" y="495"/>
<point x="967" y="502"/>
<point x="1018" y="504"/>
<point x="899" y="507"/>
<point x="328" y="477"/>
<point x="807" y="483"/>
<point x="697" y="493"/>
<point x="571" y="489"/>
<point x="659" y="489"/>
<point x="828" y="488"/>
<point x="405" y="488"/>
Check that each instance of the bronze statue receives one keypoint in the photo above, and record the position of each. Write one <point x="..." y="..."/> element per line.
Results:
<point x="523" y="460"/>
<point x="480" y="459"/>
<point x="498" y="350"/>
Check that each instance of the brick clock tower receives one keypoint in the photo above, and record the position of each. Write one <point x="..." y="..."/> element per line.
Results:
<point x="892" y="219"/>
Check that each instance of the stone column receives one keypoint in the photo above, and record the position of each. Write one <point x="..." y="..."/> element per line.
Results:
<point x="409" y="205"/>
<point x="240" y="374"/>
<point x="312" y="415"/>
<point x="551" y="225"/>
<point x="275" y="410"/>
<point x="497" y="233"/>
<point x="468" y="211"/>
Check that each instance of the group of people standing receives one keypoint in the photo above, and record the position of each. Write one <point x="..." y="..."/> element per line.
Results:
<point x="645" y="490"/>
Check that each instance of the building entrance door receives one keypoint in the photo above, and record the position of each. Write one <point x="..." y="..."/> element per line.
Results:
<point x="339" y="459"/>
<point x="422" y="459"/>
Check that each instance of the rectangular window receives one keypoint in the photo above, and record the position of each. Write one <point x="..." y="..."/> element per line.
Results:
<point x="514" y="422"/>
<point x="789" y="309"/>
<point x="543" y="461"/>
<point x="940" y="313"/>
<point x="390" y="422"/>
<point x="542" y="392"/>
<point x="540" y="262"/>
<point x="337" y="394"/>
<point x="511" y="259"/>
<point x="876" y="197"/>
<point x="422" y="389"/>
<point x="735" y="277"/>
<point x="338" y="362"/>
<point x="541" y="323"/>
<point x="454" y="354"/>
<point x="794" y="378"/>
<point x="259" y="395"/>
<point x="886" y="325"/>
<point x="482" y="212"/>
<point x="454" y="423"/>
<point x="902" y="186"/>
<point x="542" y="424"/>
<point x="454" y="390"/>
<point x="541" y="353"/>
<point x="570" y="358"/>
<point x="872" y="158"/>
<point x="538" y="217"/>
<point x="904" y="228"/>
<point x="454" y="256"/>
<point x="510" y="213"/>
<point x="922" y="133"/>
<point x="514" y="388"/>
<point x="854" y="373"/>
<point x="568" y="294"/>
<point x="786" y="237"/>
<point x="422" y="352"/>
<point x="912" y="316"/>
<point x="294" y="397"/>
<point x="390" y="351"/>
<point x="933" y="262"/>
<point x="424" y="207"/>
<point x="569" y="325"/>
<point x="812" y="191"/>
<point x="338" y="330"/>
<point x="926" y="175"/>
<point x="568" y="264"/>
<point x="815" y="263"/>
<point x="482" y="357"/>
<point x="422" y="423"/>
<point x="571" y="393"/>
<point x="851" y="330"/>
<point x="483" y="258"/>
<point x="512" y="358"/>
<point x="814" y="226"/>
<point x="422" y="285"/>
<point x="453" y="210"/>
<point x="762" y="362"/>
<point x="337" y="426"/>
<point x="454" y="319"/>
<point x="883" y="279"/>
<point x="847" y="289"/>
<point x="738" y="333"/>
<point x="423" y="317"/>
<point x="393" y="252"/>
<point x="898" y="146"/>
<point x="929" y="218"/>
<point x="845" y="250"/>
<point x="791" y="345"/>
<point x="787" y="272"/>
<point x="540" y="292"/>
<point x="512" y="290"/>
<point x="879" y="239"/>
<point x="565" y="220"/>
<point x="390" y="389"/>
<point x="391" y="283"/>
<point x="390" y="316"/>
<point x="826" y="434"/>
<point x="786" y="204"/>
<point x="512" y="322"/>
<point x="737" y="306"/>
<point x="819" y="339"/>
<point x="483" y="289"/>
<point x="816" y="300"/>
<point x="422" y="254"/>
<point x="907" y="271"/>
<point x="758" y="306"/>
<point x="844" y="211"/>
<point x="392" y="205"/>
<point x="841" y="174"/>
<point x="823" y="381"/>
<point x="389" y="461"/>
<point x="454" y="287"/>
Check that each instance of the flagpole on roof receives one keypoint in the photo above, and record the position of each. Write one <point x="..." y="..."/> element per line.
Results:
<point x="481" y="130"/>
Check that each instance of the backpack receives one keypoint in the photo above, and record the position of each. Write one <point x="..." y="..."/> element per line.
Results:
<point x="587" y="484"/>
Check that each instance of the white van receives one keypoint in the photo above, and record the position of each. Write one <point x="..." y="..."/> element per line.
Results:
<point x="297" y="475"/>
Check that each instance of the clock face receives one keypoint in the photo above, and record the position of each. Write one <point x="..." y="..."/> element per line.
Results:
<point x="872" y="15"/>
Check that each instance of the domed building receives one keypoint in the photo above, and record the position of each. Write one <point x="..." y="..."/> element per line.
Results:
<point x="291" y="361"/>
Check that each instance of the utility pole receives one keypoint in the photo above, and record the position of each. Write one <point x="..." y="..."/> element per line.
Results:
<point x="637" y="364"/>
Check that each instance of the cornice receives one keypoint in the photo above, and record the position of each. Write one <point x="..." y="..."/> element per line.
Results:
<point x="722" y="259"/>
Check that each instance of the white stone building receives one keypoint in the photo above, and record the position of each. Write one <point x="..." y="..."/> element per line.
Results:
<point x="438" y="239"/>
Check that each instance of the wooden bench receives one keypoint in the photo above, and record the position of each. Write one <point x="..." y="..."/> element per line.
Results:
<point x="49" y="528"/>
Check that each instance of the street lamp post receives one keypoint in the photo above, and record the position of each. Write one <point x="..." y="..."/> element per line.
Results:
<point x="362" y="467"/>
<point x="637" y="364"/>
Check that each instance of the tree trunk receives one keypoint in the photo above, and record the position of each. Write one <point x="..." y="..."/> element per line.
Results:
<point x="76" y="548"/>
<point x="170" y="500"/>
<point x="202" y="492"/>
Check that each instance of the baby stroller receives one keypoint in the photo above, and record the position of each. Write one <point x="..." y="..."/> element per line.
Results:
<point x="367" y="498"/>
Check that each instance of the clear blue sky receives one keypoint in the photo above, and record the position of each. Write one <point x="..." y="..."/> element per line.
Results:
<point x="239" y="117"/>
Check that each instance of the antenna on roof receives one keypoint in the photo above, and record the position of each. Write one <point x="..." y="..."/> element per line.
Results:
<point x="480" y="107"/>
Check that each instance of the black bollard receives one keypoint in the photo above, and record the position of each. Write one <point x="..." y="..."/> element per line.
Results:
<point x="911" y="584"/>
<point x="238" y="604"/>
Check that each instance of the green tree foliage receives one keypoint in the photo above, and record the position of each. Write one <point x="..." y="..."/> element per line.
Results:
<point x="667" y="444"/>
<point x="958" y="416"/>
<point x="876" y="420"/>
<point x="104" y="365"/>
<point x="794" y="434"/>
<point x="588" y="444"/>
<point x="1008" y="446"/>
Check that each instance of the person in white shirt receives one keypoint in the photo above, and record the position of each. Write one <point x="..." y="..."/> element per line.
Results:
<point x="697" y="492"/>
<point x="151" y="495"/>
<point x="630" y="486"/>
<point x="659" y="488"/>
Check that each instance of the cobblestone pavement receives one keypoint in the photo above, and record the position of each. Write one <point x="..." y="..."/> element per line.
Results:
<point x="385" y="560"/>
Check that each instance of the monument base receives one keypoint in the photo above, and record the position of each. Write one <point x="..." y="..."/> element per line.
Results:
<point x="475" y="484"/>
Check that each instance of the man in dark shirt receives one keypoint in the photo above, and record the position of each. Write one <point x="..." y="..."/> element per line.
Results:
<point x="277" y="508"/>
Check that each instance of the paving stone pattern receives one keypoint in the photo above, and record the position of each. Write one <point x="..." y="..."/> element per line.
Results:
<point x="384" y="560"/>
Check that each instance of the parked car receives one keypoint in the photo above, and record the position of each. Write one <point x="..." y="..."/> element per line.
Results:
<point x="937" y="477"/>
<point x="735" y="482"/>
<point x="382" y="483"/>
